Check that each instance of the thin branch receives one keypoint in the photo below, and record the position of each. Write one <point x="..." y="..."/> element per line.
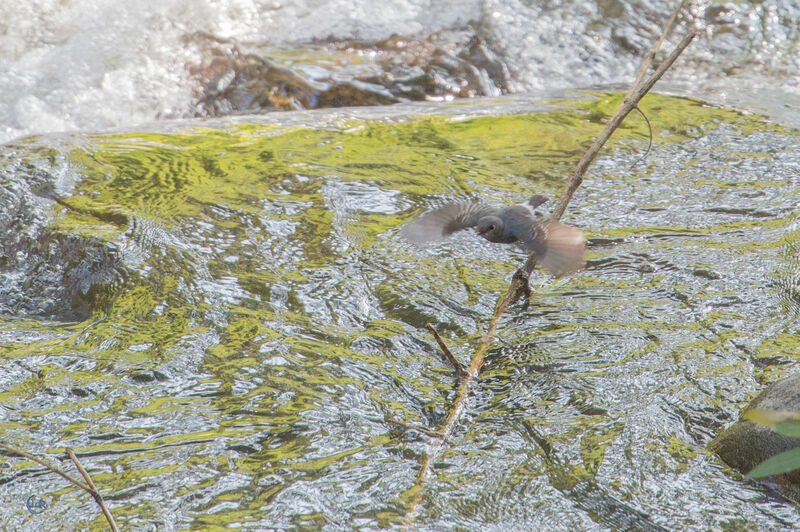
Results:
<point x="410" y="426"/>
<point x="586" y="160"/>
<point x="651" y="55"/>
<point x="458" y="405"/>
<point x="93" y="491"/>
<point x="664" y="66"/>
<point x="447" y="354"/>
<point x="576" y="178"/>
<point x="519" y="282"/>
<point x="650" y="137"/>
<point x="46" y="464"/>
<point x="89" y="486"/>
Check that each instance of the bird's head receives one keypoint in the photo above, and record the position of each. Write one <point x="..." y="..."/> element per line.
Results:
<point x="491" y="228"/>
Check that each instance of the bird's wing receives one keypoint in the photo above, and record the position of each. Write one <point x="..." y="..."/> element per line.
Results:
<point x="558" y="247"/>
<point x="440" y="223"/>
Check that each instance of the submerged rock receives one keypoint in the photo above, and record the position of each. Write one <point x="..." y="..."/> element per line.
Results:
<point x="46" y="272"/>
<point x="746" y="444"/>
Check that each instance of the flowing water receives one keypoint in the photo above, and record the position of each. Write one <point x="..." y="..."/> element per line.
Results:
<point x="231" y="320"/>
<point x="70" y="65"/>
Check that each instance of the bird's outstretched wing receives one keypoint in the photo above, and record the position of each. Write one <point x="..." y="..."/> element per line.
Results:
<point x="558" y="247"/>
<point x="440" y="223"/>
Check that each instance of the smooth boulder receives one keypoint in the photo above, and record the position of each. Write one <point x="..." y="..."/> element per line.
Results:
<point x="746" y="444"/>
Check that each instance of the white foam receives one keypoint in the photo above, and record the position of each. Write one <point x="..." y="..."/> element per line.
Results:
<point x="95" y="64"/>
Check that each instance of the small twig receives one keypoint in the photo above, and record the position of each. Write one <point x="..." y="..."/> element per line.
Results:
<point x="650" y="136"/>
<point x="519" y="282"/>
<point x="447" y="354"/>
<point x="576" y="178"/>
<point x="664" y="66"/>
<point x="410" y="426"/>
<point x="89" y="486"/>
<point x="651" y="55"/>
<point x="457" y="408"/>
<point x="93" y="490"/>
<point x="46" y="464"/>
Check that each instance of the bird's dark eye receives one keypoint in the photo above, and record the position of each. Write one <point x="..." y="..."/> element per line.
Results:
<point x="491" y="227"/>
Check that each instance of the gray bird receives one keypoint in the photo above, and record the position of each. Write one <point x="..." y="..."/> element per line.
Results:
<point x="558" y="247"/>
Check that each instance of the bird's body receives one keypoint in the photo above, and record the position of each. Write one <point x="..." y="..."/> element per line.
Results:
<point x="558" y="247"/>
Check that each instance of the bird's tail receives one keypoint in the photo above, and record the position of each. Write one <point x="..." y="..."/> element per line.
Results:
<point x="563" y="249"/>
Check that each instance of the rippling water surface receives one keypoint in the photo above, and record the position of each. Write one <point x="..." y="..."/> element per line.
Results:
<point x="222" y="320"/>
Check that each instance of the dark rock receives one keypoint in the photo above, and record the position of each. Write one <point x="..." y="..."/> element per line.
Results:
<point x="234" y="78"/>
<point x="747" y="444"/>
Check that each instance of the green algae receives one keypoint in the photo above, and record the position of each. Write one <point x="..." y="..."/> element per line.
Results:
<point x="294" y="226"/>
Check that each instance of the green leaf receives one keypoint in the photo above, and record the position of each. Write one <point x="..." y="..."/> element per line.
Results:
<point x="780" y="463"/>
<point x="790" y="429"/>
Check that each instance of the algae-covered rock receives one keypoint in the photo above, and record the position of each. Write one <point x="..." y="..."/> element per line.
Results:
<point x="47" y="272"/>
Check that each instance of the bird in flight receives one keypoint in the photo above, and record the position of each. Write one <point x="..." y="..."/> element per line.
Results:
<point x="558" y="247"/>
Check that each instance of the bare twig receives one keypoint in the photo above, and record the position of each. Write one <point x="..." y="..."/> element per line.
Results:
<point x="519" y="282"/>
<point x="93" y="491"/>
<point x="46" y="464"/>
<point x="89" y="486"/>
<point x="664" y="66"/>
<point x="459" y="403"/>
<point x="447" y="354"/>
<point x="651" y="55"/>
<point x="627" y="105"/>
<point x="410" y="426"/>
<point x="650" y="137"/>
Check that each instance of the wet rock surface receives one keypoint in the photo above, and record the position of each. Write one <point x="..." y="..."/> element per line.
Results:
<point x="747" y="444"/>
<point x="236" y="78"/>
<point x="46" y="272"/>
